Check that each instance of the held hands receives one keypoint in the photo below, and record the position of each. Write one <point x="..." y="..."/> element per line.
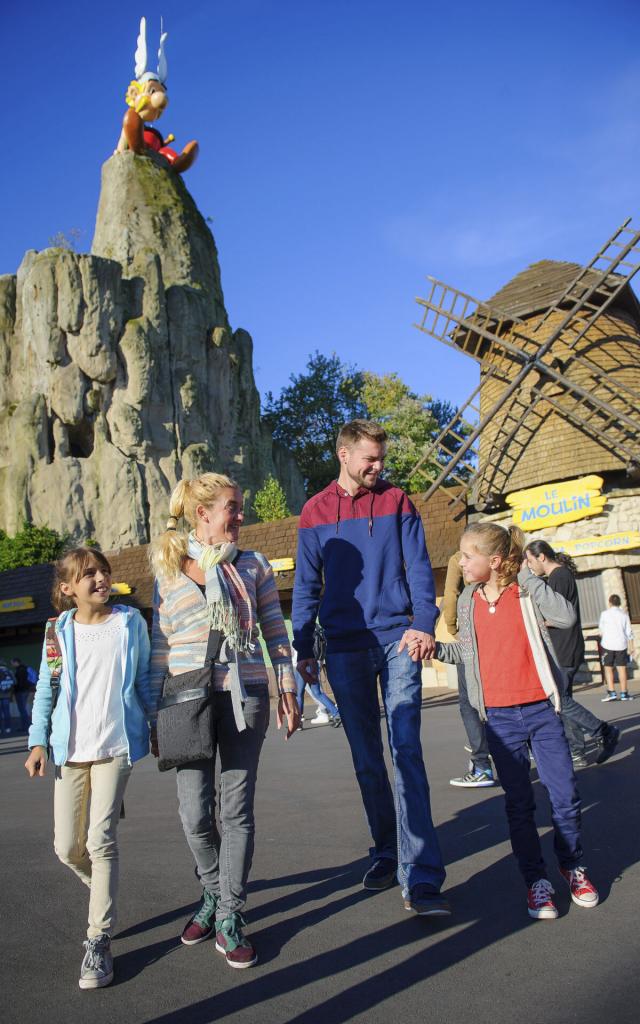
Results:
<point x="288" y="709"/>
<point x="35" y="762"/>
<point x="420" y="646"/>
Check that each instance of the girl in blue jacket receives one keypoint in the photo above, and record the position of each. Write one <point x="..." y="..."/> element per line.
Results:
<point x="97" y="729"/>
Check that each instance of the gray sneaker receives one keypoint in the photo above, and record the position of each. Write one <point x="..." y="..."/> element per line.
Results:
<point x="97" y="965"/>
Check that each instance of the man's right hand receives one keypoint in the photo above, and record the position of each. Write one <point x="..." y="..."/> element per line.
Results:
<point x="36" y="761"/>
<point x="308" y="669"/>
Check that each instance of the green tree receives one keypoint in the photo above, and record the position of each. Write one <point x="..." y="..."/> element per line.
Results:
<point x="32" y="545"/>
<point x="309" y="412"/>
<point x="412" y="422"/>
<point x="271" y="502"/>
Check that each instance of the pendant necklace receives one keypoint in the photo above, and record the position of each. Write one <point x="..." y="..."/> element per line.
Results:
<point x="492" y="604"/>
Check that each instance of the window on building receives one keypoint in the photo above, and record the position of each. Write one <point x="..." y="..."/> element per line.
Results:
<point x="592" y="599"/>
<point x="631" y="577"/>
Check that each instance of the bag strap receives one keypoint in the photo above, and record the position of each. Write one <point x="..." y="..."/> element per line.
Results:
<point x="54" y="651"/>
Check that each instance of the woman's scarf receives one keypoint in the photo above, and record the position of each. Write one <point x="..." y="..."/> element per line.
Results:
<point x="229" y="610"/>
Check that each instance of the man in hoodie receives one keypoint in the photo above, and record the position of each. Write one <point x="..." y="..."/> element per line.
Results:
<point x="363" y="539"/>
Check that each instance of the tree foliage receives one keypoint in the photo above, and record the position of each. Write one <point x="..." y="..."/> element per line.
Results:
<point x="309" y="412"/>
<point x="270" y="502"/>
<point x="408" y="421"/>
<point x="32" y="545"/>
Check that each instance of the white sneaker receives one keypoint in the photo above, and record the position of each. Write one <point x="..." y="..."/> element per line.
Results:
<point x="96" y="969"/>
<point x="322" y="718"/>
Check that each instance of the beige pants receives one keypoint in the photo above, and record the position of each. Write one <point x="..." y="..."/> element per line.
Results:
<point x="86" y="809"/>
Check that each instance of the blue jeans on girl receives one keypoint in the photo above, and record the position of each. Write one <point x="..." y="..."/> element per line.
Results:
<point x="316" y="693"/>
<point x="509" y="731"/>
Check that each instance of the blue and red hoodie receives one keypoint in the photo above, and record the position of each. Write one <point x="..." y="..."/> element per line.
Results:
<point x="371" y="550"/>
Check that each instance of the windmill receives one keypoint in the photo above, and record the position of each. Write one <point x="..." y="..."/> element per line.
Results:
<point x="560" y="362"/>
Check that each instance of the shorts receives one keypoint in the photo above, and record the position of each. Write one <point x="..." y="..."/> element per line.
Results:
<point x="614" y="658"/>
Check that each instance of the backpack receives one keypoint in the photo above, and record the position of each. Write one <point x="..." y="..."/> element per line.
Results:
<point x="7" y="682"/>
<point x="54" y="664"/>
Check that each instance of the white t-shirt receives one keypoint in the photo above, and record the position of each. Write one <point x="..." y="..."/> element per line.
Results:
<point x="615" y="630"/>
<point x="97" y="719"/>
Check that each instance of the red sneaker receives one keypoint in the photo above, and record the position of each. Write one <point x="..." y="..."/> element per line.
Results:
<point x="200" y="926"/>
<point x="540" y="904"/>
<point x="583" y="892"/>
<point x="230" y="940"/>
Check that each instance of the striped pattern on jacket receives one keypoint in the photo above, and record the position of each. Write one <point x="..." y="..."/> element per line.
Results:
<point x="181" y="628"/>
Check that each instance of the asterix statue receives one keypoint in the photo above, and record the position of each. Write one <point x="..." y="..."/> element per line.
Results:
<point x="147" y="98"/>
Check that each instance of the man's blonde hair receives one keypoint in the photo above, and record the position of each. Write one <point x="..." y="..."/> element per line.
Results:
<point x="360" y="430"/>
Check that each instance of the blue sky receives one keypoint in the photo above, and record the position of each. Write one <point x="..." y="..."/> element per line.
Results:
<point x="348" y="149"/>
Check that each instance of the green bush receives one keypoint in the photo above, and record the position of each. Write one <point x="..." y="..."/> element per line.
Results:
<point x="271" y="502"/>
<point x="32" y="545"/>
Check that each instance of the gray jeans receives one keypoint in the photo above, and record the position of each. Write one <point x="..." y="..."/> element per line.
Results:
<point x="223" y="857"/>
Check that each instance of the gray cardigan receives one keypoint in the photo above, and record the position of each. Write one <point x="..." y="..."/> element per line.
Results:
<point x="541" y="606"/>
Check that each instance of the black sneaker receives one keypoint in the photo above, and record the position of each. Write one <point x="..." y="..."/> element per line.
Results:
<point x="426" y="901"/>
<point x="607" y="743"/>
<point x="382" y="874"/>
<point x="579" y="761"/>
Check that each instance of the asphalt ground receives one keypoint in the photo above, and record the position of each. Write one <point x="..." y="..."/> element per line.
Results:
<point x="330" y="952"/>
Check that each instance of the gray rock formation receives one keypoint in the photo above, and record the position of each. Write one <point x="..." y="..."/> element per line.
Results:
<point x="120" y="373"/>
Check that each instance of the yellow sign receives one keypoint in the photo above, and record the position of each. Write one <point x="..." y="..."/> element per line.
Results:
<point x="17" y="604"/>
<point x="596" y="545"/>
<point x="554" y="504"/>
<point x="282" y="564"/>
<point x="121" y="588"/>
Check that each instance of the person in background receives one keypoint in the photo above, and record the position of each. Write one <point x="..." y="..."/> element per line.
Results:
<point x="479" y="774"/>
<point x="559" y="571"/>
<point x="327" y="713"/>
<point x="7" y="688"/>
<point x="616" y="641"/>
<point x="22" y="692"/>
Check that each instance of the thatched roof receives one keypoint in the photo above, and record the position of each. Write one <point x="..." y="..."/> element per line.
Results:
<point x="543" y="283"/>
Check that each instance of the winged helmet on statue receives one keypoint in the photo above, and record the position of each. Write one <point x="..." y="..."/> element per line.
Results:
<point x="147" y="99"/>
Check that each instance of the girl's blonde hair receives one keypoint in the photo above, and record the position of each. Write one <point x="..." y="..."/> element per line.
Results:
<point x="169" y="550"/>
<point x="70" y="569"/>
<point x="492" y="539"/>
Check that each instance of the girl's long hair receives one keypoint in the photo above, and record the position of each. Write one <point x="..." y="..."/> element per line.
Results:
<point x="70" y="569"/>
<point x="540" y="547"/>
<point x="493" y="539"/>
<point x="169" y="550"/>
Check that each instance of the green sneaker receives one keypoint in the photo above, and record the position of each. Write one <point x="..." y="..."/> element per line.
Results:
<point x="96" y="969"/>
<point x="200" y="926"/>
<point x="230" y="941"/>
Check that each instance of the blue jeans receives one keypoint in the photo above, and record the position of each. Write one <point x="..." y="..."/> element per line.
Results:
<point x="399" y="820"/>
<point x="578" y="720"/>
<point x="509" y="731"/>
<point x="5" y="713"/>
<point x="22" y="700"/>
<point x="473" y="726"/>
<point x="316" y="692"/>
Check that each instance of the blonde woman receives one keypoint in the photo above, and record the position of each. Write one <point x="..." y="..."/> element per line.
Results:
<point x="210" y="597"/>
